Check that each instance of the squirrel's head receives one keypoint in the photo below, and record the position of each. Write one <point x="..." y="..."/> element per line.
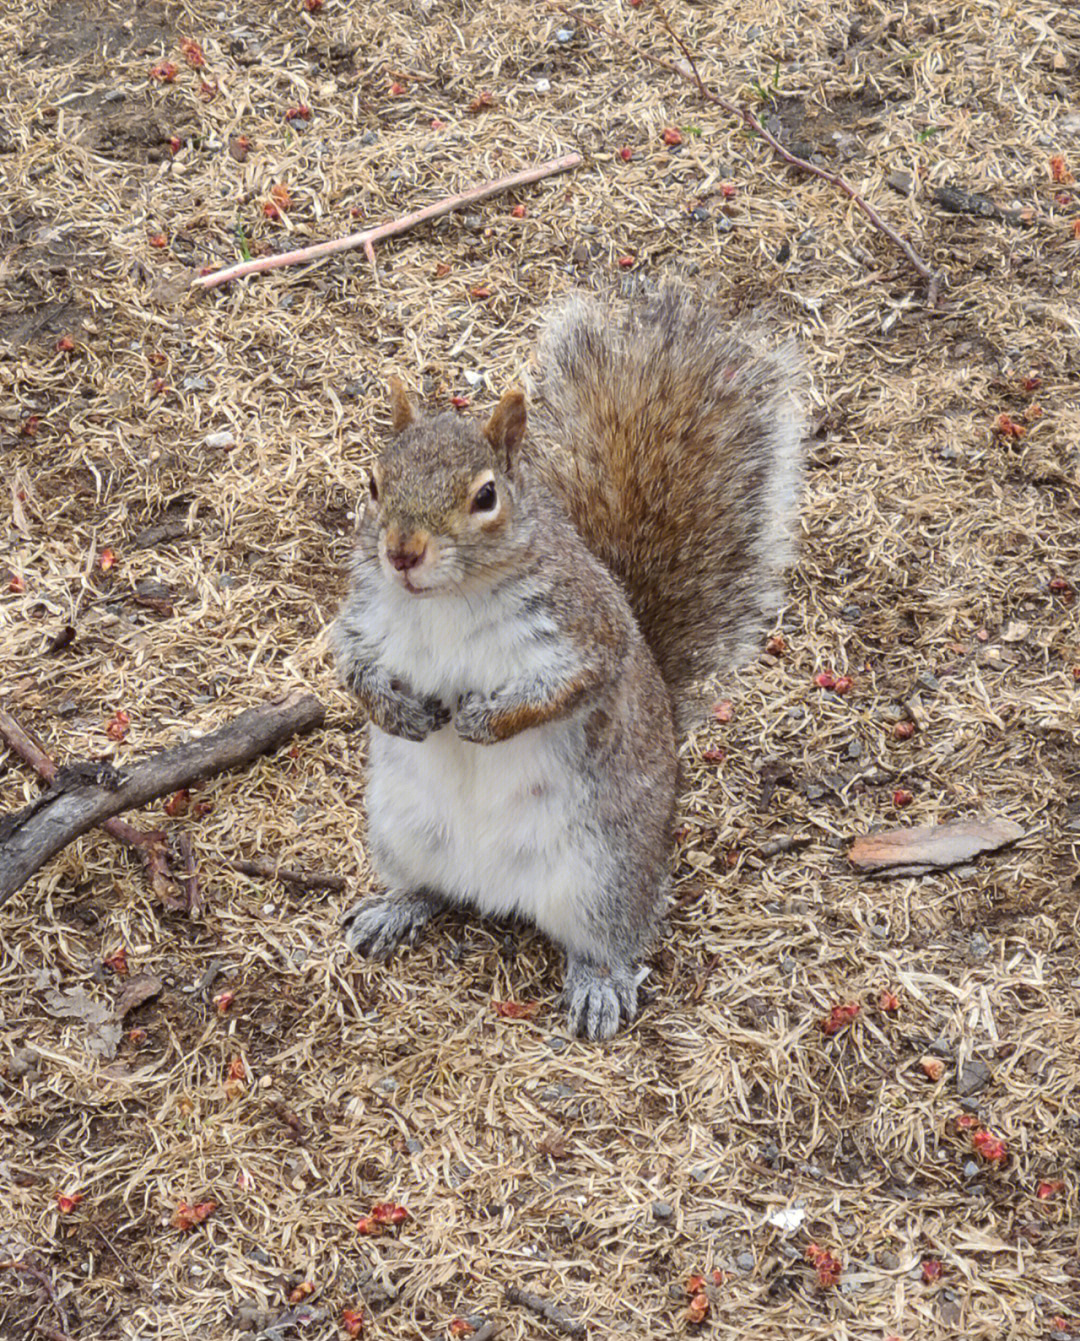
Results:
<point x="441" y="495"/>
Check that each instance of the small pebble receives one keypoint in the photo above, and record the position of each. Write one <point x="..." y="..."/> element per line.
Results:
<point x="369" y="137"/>
<point x="662" y="1210"/>
<point x="745" y="1261"/>
<point x="22" y="1063"/>
<point x="973" y="1077"/>
<point x="68" y="708"/>
<point x="564" y="35"/>
<point x="700" y="214"/>
<point x="225" y="438"/>
<point x="852" y="613"/>
<point x="971" y="1169"/>
<point x="978" y="946"/>
<point x="543" y="86"/>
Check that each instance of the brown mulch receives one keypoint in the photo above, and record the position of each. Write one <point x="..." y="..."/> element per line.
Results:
<point x="215" y="444"/>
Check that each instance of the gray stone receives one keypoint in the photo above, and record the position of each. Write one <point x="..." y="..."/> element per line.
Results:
<point x="928" y="680"/>
<point x="971" y="1169"/>
<point x="745" y="1261"/>
<point x="973" y="1077"/>
<point x="852" y="613"/>
<point x="662" y="1210"/>
<point x="900" y="181"/>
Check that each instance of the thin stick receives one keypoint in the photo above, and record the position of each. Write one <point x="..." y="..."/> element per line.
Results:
<point x="192" y="895"/>
<point x="46" y="1284"/>
<point x="268" y="870"/>
<point x="85" y="795"/>
<point x="149" y="846"/>
<point x="370" y="236"/>
<point x="934" y="278"/>
<point x="543" y="1308"/>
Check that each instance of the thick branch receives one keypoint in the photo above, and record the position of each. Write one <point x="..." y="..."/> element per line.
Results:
<point x="747" y="117"/>
<point x="90" y="794"/>
<point x="370" y="236"/>
<point x="149" y="846"/>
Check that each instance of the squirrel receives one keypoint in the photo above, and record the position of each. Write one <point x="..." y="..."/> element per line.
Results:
<point x="532" y="601"/>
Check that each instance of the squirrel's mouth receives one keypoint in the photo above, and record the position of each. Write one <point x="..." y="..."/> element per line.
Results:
<point x="413" y="590"/>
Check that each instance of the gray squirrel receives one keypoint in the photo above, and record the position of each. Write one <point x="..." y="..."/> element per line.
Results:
<point x="531" y="604"/>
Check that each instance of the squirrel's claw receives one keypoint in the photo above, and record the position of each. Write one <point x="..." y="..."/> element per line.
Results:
<point x="597" y="996"/>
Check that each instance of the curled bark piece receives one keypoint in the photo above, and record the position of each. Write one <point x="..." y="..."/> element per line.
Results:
<point x="930" y="846"/>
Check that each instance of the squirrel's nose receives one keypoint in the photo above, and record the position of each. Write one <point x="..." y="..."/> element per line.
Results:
<point x="404" y="559"/>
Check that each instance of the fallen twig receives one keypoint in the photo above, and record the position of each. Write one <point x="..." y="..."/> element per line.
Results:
<point x="954" y="200"/>
<point x="562" y="1322"/>
<point x="88" y="794"/>
<point x="192" y="895"/>
<point x="934" y="278"/>
<point x="370" y="236"/>
<point x="788" y="843"/>
<point x="268" y="870"/>
<point x="149" y="845"/>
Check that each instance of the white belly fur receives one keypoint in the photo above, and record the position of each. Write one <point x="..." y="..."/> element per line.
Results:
<point x="503" y="827"/>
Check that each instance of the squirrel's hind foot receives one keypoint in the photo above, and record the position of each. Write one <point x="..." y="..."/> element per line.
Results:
<point x="598" y="995"/>
<point x="374" y="928"/>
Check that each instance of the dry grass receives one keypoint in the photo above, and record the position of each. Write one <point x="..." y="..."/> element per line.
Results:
<point x="524" y="1158"/>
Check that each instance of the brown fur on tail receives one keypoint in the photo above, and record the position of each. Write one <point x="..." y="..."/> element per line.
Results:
<point x="676" y="447"/>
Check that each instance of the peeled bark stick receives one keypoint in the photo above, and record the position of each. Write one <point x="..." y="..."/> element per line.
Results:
<point x="88" y="794"/>
<point x="370" y="236"/>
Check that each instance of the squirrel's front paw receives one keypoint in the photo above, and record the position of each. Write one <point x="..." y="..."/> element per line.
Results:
<point x="401" y="714"/>
<point x="474" y="719"/>
<point x="374" y="928"/>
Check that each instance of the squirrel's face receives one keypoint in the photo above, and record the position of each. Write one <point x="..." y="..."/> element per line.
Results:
<point x="441" y="497"/>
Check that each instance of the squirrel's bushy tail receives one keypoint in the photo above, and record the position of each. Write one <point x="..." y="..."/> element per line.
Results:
<point x="676" y="445"/>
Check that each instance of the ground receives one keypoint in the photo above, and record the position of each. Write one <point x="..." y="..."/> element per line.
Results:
<point x="939" y="554"/>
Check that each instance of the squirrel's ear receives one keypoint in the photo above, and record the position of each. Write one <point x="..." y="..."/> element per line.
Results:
<point x="401" y="406"/>
<point x="506" y="427"/>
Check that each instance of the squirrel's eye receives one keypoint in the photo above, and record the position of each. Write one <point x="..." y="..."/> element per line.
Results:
<point x="373" y="489"/>
<point x="485" y="498"/>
